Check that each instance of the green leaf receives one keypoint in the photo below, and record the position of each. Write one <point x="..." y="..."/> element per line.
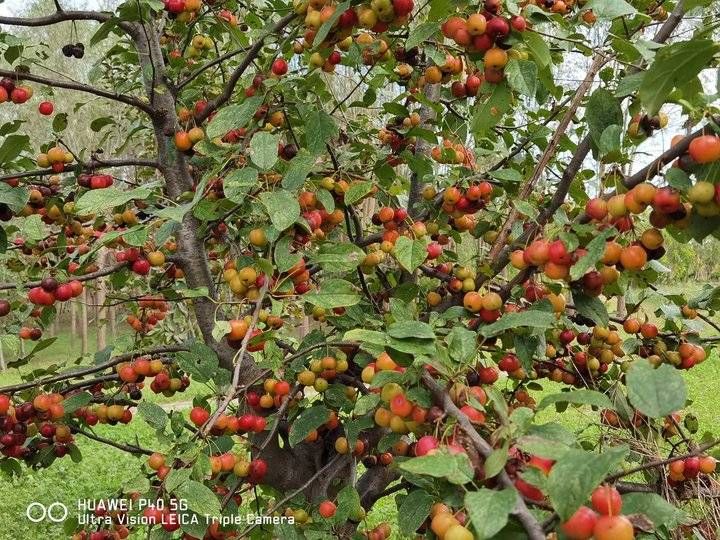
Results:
<point x="60" y="122"/>
<point x="655" y="392"/>
<point x="542" y="447"/>
<point x="581" y="397"/>
<point x="238" y="183"/>
<point x="677" y="178"/>
<point x="538" y="46"/>
<point x="324" y="30"/>
<point x="592" y="308"/>
<point x="325" y="198"/>
<point x="98" y="200"/>
<point x="456" y="468"/>
<point x="200" y="362"/>
<point x="333" y="293"/>
<point x="199" y="498"/>
<point x="672" y="67"/>
<point x="176" y="478"/>
<point x="153" y="414"/>
<point x="507" y="175"/>
<point x="99" y="123"/>
<point x="595" y="251"/>
<point x="139" y="484"/>
<point x="657" y="509"/>
<point x="12" y="146"/>
<point x="610" y="141"/>
<point x="357" y="191"/>
<point x="339" y="258"/>
<point x="522" y="75"/>
<point x="413" y="511"/>
<point x="489" y="510"/>
<point x="282" y="207"/>
<point x="439" y="9"/>
<point x="629" y="84"/>
<point x="609" y="9"/>
<point x="574" y="477"/>
<point x="410" y="253"/>
<point x="264" y="149"/>
<point x="310" y="419"/>
<point x="32" y="228"/>
<point x="531" y="319"/>
<point x="496" y="462"/>
<point x="284" y="258"/>
<point x="10" y="344"/>
<point x="234" y="117"/>
<point x="602" y="111"/>
<point x="420" y="33"/>
<point x="348" y="504"/>
<point x="462" y="344"/>
<point x="411" y="329"/>
<point x="320" y="127"/>
<point x="366" y="403"/>
<point x="76" y="401"/>
<point x="489" y="113"/>
<point x="14" y="197"/>
<point x="300" y="167"/>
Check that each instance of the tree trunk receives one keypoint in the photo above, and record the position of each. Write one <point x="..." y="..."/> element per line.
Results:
<point x="73" y="323"/>
<point x="84" y="322"/>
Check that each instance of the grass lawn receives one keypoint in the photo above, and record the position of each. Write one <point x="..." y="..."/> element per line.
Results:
<point x="104" y="469"/>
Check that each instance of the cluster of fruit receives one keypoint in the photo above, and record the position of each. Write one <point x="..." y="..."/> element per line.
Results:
<point x="28" y="427"/>
<point x="319" y="220"/>
<point x="9" y="91"/>
<point x="118" y="532"/>
<point x="603" y="521"/>
<point x="689" y="468"/>
<point x="151" y="310"/>
<point x="199" y="45"/>
<point x="139" y="261"/>
<point x="55" y="158"/>
<point x="185" y="140"/>
<point x="50" y="290"/>
<point x="453" y="153"/>
<point x="253" y="471"/>
<point x="183" y="10"/>
<point x="244" y="283"/>
<point x="104" y="414"/>
<point x="658" y="351"/>
<point x="322" y="370"/>
<point x="94" y="181"/>
<point x="244" y="423"/>
<point x="449" y="525"/>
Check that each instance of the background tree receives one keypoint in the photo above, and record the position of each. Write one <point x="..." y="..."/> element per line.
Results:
<point x="437" y="190"/>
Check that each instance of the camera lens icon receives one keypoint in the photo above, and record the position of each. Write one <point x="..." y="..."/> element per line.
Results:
<point x="55" y="512"/>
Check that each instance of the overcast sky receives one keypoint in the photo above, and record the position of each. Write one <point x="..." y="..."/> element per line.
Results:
<point x="11" y="7"/>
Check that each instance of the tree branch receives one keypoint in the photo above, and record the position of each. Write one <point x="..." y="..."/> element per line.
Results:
<point x="93" y="369"/>
<point x="86" y="277"/>
<point x="80" y="87"/>
<point x="131" y="448"/>
<point x="251" y="54"/>
<point x="660" y="462"/>
<point x="532" y="527"/>
<point x="55" y="18"/>
<point x="526" y="189"/>
<point x="93" y="165"/>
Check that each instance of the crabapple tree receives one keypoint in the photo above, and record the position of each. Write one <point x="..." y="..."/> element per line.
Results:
<point x="382" y="241"/>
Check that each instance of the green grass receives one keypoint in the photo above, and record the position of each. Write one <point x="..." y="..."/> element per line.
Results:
<point x="104" y="469"/>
